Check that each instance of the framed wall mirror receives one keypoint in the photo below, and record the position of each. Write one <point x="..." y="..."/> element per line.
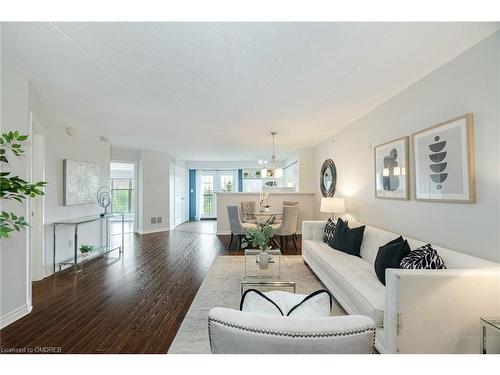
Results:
<point x="328" y="178"/>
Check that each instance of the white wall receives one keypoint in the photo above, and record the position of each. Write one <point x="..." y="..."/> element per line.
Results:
<point x="155" y="186"/>
<point x="469" y="83"/>
<point x="123" y="154"/>
<point x="308" y="180"/>
<point x="155" y="183"/>
<point x="85" y="145"/>
<point x="19" y="99"/>
<point x="15" y="295"/>
<point x="221" y="164"/>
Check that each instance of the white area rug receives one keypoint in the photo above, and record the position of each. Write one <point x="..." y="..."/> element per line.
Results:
<point x="221" y="288"/>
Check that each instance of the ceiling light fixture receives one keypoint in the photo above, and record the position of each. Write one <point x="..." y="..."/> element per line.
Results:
<point x="275" y="171"/>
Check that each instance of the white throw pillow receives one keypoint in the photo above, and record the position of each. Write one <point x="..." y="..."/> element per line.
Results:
<point x="277" y="302"/>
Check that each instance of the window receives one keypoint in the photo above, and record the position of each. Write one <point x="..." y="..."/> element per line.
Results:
<point x="121" y="193"/>
<point x="208" y="194"/>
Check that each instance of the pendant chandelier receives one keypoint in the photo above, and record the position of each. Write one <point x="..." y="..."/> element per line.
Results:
<point x="275" y="171"/>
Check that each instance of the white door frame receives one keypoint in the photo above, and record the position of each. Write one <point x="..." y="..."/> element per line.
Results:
<point x="185" y="204"/>
<point x="36" y="206"/>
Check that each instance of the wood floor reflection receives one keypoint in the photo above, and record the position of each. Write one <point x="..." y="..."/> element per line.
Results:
<point x="131" y="304"/>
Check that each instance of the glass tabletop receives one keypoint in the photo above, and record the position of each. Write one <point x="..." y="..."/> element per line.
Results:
<point x="267" y="213"/>
<point x="86" y="219"/>
<point x="495" y="322"/>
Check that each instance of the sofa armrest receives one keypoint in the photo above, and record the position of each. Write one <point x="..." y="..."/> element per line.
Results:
<point x="313" y="230"/>
<point x="438" y="311"/>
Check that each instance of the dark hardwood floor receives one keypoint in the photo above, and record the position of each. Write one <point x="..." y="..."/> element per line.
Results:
<point x="131" y="304"/>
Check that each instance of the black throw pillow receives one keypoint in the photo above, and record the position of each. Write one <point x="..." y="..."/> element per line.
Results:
<point x="390" y="256"/>
<point x="347" y="239"/>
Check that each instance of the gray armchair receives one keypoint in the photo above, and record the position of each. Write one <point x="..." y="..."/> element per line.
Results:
<point x="239" y="332"/>
<point x="288" y="226"/>
<point x="237" y="226"/>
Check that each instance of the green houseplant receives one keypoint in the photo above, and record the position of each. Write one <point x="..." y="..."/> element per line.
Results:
<point x="258" y="237"/>
<point x="12" y="187"/>
<point x="85" y="249"/>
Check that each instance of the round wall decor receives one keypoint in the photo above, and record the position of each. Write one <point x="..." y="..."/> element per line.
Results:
<point x="328" y="178"/>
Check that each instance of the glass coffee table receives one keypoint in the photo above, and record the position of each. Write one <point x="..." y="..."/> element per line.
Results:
<point x="264" y="271"/>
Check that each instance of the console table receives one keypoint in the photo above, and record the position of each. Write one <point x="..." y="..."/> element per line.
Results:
<point x="491" y="323"/>
<point x="100" y="251"/>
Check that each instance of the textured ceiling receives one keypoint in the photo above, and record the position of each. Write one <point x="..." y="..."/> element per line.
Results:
<point x="213" y="91"/>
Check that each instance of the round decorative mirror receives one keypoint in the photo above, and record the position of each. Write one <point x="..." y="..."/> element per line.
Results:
<point x="328" y="178"/>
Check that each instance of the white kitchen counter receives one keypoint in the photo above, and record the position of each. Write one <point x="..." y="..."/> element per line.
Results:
<point x="276" y="199"/>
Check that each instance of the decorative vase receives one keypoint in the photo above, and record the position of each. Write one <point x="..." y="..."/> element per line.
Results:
<point x="263" y="259"/>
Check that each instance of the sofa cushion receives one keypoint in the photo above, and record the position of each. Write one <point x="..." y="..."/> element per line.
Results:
<point x="347" y="239"/>
<point x="329" y="231"/>
<point x="351" y="279"/>
<point x="390" y="256"/>
<point x="425" y="257"/>
<point x="278" y="302"/>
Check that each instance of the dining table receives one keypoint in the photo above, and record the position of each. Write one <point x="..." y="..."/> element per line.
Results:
<point x="267" y="217"/>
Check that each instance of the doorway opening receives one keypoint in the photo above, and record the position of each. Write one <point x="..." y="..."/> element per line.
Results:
<point x="181" y="192"/>
<point x="123" y="196"/>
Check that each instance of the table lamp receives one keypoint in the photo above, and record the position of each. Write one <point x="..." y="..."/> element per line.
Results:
<point x="332" y="206"/>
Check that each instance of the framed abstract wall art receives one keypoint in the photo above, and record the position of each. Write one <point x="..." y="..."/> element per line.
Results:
<point x="391" y="170"/>
<point x="81" y="181"/>
<point x="444" y="162"/>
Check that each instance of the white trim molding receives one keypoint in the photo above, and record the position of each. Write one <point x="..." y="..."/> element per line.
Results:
<point x="14" y="315"/>
<point x="153" y="230"/>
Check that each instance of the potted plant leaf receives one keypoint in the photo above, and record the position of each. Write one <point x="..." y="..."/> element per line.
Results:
<point x="259" y="238"/>
<point x="86" y="250"/>
<point x="12" y="187"/>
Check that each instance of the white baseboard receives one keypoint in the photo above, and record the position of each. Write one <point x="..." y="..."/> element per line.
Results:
<point x="14" y="315"/>
<point x="49" y="271"/>
<point x="152" y="230"/>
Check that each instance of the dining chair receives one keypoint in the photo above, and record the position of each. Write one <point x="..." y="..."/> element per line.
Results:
<point x="279" y="219"/>
<point x="288" y="227"/>
<point x="237" y="226"/>
<point x="247" y="212"/>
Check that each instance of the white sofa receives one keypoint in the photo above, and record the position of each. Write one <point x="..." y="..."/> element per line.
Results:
<point x="418" y="311"/>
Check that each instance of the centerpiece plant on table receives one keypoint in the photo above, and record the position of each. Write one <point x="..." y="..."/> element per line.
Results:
<point x="259" y="238"/>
